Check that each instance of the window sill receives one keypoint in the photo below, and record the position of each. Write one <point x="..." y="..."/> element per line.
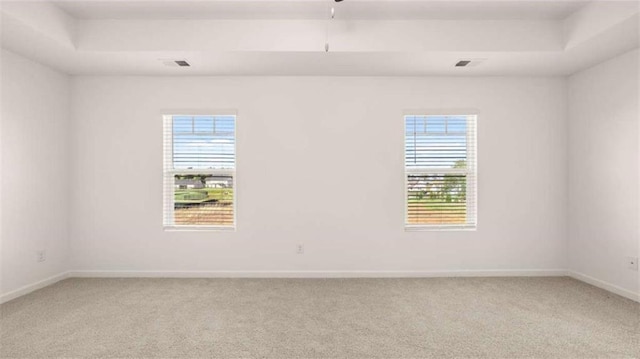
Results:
<point x="427" y="228"/>
<point x="199" y="229"/>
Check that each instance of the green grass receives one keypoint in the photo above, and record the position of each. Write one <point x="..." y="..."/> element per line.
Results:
<point x="194" y="196"/>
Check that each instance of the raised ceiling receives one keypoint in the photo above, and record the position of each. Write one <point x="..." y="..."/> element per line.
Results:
<point x="313" y="9"/>
<point x="367" y="37"/>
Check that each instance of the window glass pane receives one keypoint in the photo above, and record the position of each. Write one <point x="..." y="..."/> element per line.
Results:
<point x="203" y="124"/>
<point x="225" y="124"/>
<point x="434" y="124"/>
<point x="437" y="199"/>
<point x="203" y="199"/>
<point x="457" y="125"/>
<point x="182" y="124"/>
<point x="410" y="125"/>
<point x="435" y="142"/>
<point x="204" y="142"/>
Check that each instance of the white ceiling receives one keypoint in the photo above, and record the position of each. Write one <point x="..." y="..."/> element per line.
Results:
<point x="287" y="37"/>
<point x="314" y="9"/>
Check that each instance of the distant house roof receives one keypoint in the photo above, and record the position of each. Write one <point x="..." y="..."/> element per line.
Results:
<point x="188" y="181"/>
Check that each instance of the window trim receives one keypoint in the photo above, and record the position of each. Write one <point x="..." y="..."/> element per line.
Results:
<point x="168" y="173"/>
<point x="467" y="112"/>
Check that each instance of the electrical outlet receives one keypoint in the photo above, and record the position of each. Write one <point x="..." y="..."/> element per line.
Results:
<point x="300" y="249"/>
<point x="41" y="255"/>
<point x="632" y="263"/>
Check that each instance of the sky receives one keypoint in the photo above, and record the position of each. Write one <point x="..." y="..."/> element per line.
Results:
<point x="204" y="142"/>
<point x="435" y="141"/>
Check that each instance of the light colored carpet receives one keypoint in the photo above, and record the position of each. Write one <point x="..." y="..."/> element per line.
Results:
<point x="320" y="318"/>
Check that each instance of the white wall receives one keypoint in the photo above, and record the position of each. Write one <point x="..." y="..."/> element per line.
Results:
<point x="320" y="162"/>
<point x="604" y="167"/>
<point x="35" y="171"/>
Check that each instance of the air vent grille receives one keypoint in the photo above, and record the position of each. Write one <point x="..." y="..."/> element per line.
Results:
<point x="469" y="62"/>
<point x="174" y="62"/>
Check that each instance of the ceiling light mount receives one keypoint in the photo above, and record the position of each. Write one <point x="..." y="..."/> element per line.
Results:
<point x="332" y="15"/>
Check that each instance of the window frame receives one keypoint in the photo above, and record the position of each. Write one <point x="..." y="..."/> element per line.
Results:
<point x="470" y="171"/>
<point x="168" y="172"/>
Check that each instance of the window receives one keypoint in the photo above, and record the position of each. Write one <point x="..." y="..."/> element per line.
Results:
<point x="440" y="171"/>
<point x="199" y="171"/>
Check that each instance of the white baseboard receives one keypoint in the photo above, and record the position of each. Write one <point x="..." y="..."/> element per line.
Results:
<point x="32" y="287"/>
<point x="604" y="285"/>
<point x="318" y="274"/>
<point x="279" y="274"/>
<point x="321" y="274"/>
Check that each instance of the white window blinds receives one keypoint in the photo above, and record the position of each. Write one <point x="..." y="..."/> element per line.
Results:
<point x="440" y="171"/>
<point x="199" y="171"/>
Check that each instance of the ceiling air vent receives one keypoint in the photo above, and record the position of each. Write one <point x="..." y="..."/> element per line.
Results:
<point x="469" y="62"/>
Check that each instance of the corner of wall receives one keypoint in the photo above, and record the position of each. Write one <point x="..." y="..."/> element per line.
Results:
<point x="603" y="113"/>
<point x="36" y="113"/>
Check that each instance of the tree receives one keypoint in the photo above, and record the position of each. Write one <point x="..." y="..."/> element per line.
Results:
<point x="454" y="188"/>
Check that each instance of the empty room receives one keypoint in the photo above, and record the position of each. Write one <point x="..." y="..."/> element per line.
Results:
<point x="319" y="179"/>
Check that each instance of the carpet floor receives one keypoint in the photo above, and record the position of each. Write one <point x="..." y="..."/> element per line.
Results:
<point x="320" y="318"/>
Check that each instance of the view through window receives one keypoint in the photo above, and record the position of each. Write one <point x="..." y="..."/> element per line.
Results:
<point x="440" y="171"/>
<point x="199" y="171"/>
